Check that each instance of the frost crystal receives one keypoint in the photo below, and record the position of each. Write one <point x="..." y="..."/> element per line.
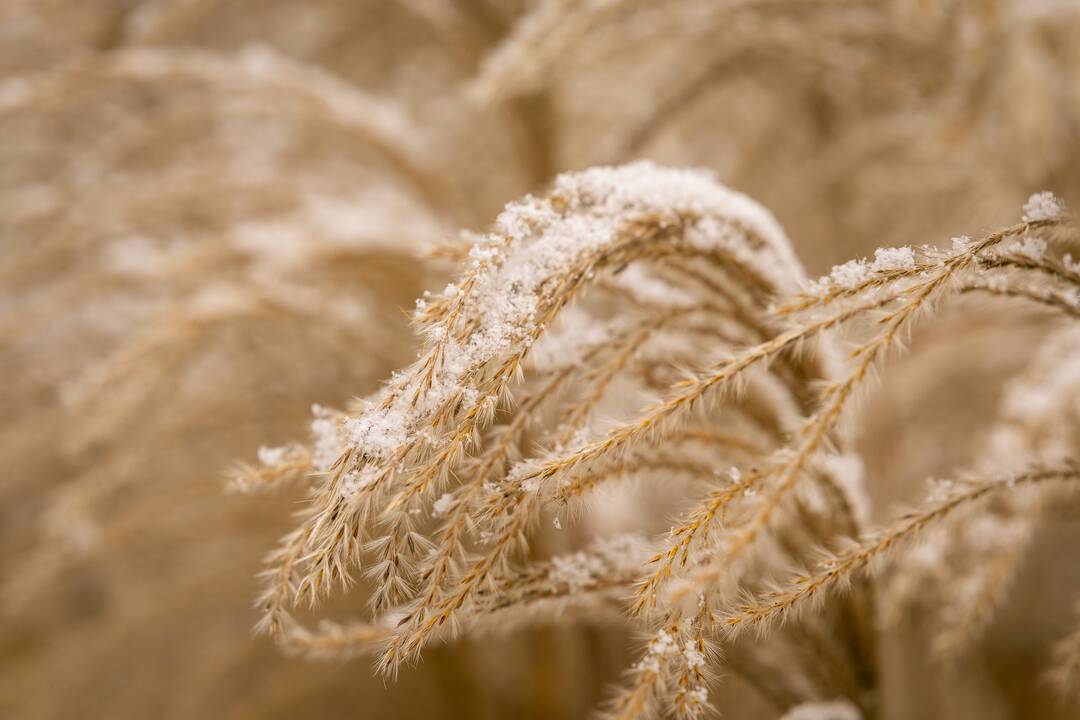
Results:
<point x="1033" y="248"/>
<point x="694" y="657"/>
<point x="901" y="258"/>
<point x="662" y="644"/>
<point x="270" y="456"/>
<point x="848" y="275"/>
<point x="378" y="432"/>
<point x="577" y="571"/>
<point x="328" y="443"/>
<point x="1042" y="206"/>
<point x="854" y="272"/>
<point x="442" y="505"/>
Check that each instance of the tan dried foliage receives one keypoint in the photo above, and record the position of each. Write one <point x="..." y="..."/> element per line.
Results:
<point x="631" y="435"/>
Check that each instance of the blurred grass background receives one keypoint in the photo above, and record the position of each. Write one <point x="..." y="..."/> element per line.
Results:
<point x="189" y="188"/>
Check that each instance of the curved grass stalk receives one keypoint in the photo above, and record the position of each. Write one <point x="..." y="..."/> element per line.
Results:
<point x="839" y="568"/>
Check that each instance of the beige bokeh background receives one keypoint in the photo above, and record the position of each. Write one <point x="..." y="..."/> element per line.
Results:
<point x="213" y="215"/>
